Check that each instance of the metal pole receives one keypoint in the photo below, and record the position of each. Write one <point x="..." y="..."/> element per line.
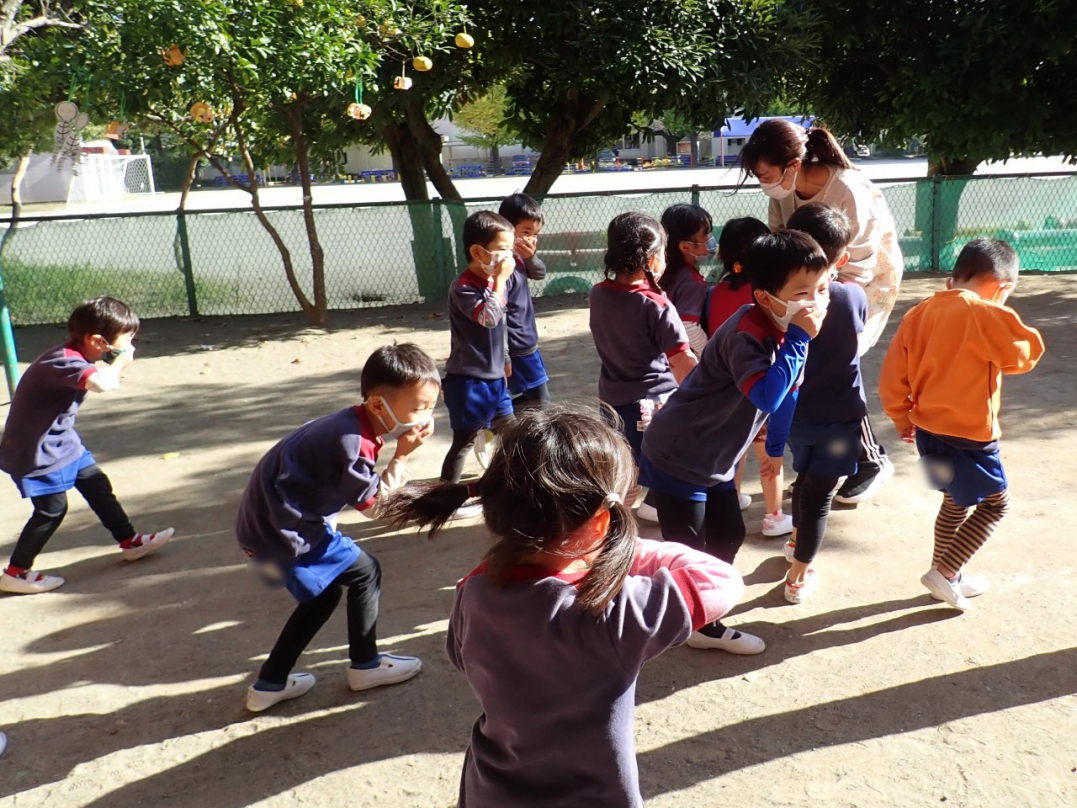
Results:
<point x="7" y="337"/>
<point x="185" y="255"/>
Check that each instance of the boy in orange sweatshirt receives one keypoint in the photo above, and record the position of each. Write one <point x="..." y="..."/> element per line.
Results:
<point x="940" y="385"/>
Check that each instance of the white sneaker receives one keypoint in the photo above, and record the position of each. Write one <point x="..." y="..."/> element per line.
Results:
<point x="942" y="589"/>
<point x="733" y="642"/>
<point x="146" y="543"/>
<point x="790" y="550"/>
<point x="484" y="447"/>
<point x="391" y="669"/>
<point x="971" y="586"/>
<point x="777" y="524"/>
<point x="29" y="583"/>
<point x="297" y="685"/>
<point x="467" y="511"/>
<point x="803" y="589"/>
<point x="745" y="501"/>
<point x="868" y="488"/>
<point x="648" y="513"/>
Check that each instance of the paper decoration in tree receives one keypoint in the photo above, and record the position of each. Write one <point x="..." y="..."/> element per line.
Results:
<point x="402" y="82"/>
<point x="357" y="109"/>
<point x="68" y="135"/>
<point x="173" y="56"/>
<point x="116" y="129"/>
<point x="201" y="112"/>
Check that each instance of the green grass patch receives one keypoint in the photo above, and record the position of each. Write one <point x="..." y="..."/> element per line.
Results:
<point x="47" y="293"/>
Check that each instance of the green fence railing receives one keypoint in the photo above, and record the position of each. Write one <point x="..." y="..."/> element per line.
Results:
<point x="223" y="262"/>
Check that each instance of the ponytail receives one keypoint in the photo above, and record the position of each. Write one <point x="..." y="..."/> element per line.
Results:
<point x="778" y="142"/>
<point x="613" y="563"/>
<point x="632" y="240"/>
<point x="822" y="147"/>
<point x="428" y="504"/>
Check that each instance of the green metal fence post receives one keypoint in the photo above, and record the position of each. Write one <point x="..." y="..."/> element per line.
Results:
<point x="7" y="337"/>
<point x="439" y="243"/>
<point x="695" y="195"/>
<point x="936" y="219"/>
<point x="188" y="271"/>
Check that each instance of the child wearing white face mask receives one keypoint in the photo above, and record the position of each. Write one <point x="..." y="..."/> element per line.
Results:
<point x="287" y="520"/>
<point x="476" y="392"/>
<point x="748" y="373"/>
<point x="689" y="243"/>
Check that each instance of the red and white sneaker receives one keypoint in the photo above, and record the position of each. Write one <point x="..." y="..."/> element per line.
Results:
<point x="142" y="543"/>
<point x="803" y="589"/>
<point x="29" y="583"/>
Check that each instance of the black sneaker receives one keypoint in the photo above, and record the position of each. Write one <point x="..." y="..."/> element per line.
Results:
<point x="861" y="489"/>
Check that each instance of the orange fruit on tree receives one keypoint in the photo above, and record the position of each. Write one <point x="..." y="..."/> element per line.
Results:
<point x="465" y="41"/>
<point x="422" y="63"/>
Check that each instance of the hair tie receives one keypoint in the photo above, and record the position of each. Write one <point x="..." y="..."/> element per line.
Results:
<point x="614" y="499"/>
<point x="737" y="268"/>
<point x="473" y="489"/>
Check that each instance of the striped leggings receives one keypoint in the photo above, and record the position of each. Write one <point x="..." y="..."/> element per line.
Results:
<point x="958" y="535"/>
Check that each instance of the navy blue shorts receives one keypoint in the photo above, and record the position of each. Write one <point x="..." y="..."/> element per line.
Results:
<point x="657" y="480"/>
<point x="55" y="482"/>
<point x="475" y="403"/>
<point x="631" y="420"/>
<point x="528" y="372"/>
<point x="826" y="449"/>
<point x="968" y="472"/>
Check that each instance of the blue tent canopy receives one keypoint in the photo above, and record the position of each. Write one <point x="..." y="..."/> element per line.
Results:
<point x="738" y="127"/>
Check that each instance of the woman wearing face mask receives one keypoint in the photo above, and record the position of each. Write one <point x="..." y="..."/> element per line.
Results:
<point x="689" y="242"/>
<point x="797" y="167"/>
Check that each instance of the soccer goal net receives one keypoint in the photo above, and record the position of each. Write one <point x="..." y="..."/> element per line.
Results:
<point x="110" y="177"/>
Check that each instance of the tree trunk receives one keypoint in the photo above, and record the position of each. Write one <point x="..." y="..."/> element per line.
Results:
<point x="573" y="115"/>
<point x="408" y="161"/>
<point x="317" y="254"/>
<point x="429" y="144"/>
<point x="495" y="158"/>
<point x="425" y="218"/>
<point x="937" y="205"/>
<point x="188" y="180"/>
<point x="695" y="149"/>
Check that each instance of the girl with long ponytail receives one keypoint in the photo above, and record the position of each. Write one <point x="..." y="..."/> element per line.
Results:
<point x="552" y="628"/>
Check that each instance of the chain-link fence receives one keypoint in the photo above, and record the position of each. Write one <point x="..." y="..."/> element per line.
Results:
<point x="225" y="262"/>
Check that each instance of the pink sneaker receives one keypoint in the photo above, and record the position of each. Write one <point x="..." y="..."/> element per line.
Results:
<point x="777" y="524"/>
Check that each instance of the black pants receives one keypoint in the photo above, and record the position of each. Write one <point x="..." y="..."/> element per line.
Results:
<point x="535" y="397"/>
<point x="462" y="441"/>
<point x="363" y="582"/>
<point x="50" y="509"/>
<point x="715" y="526"/>
<point x="871" y="460"/>
<point x="812" y="497"/>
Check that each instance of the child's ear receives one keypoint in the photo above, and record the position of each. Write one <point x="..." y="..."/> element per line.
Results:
<point x="842" y="261"/>
<point x="761" y="298"/>
<point x="600" y="524"/>
<point x="950" y="282"/>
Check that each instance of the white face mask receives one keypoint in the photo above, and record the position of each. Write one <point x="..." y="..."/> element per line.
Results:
<point x="403" y="427"/>
<point x="496" y="257"/>
<point x="775" y="190"/>
<point x="794" y="307"/>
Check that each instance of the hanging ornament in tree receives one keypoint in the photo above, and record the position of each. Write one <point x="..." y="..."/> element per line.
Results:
<point x="116" y="129"/>
<point x="389" y="29"/>
<point x="422" y="63"/>
<point x="357" y="109"/>
<point x="402" y="82"/>
<point x="173" y="56"/>
<point x="465" y="40"/>
<point x="360" y="21"/>
<point x="201" y="112"/>
<point x="68" y="135"/>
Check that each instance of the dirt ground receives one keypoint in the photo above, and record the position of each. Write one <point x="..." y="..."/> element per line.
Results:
<point x="125" y="687"/>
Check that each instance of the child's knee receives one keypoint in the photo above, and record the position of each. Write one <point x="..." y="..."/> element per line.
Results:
<point x="52" y="507"/>
<point x="997" y="505"/>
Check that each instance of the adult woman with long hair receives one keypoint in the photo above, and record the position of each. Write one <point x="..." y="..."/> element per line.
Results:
<point x="796" y="167"/>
